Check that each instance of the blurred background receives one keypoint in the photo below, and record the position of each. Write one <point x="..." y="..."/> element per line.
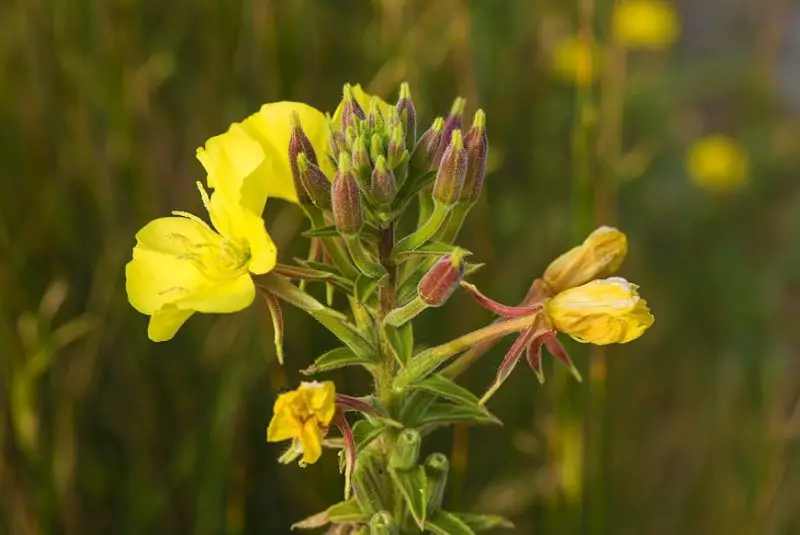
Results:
<point x="678" y="122"/>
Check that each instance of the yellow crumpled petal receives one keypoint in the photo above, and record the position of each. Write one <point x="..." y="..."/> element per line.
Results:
<point x="600" y="255"/>
<point x="601" y="312"/>
<point x="304" y="414"/>
<point x="363" y="98"/>
<point x="647" y="24"/>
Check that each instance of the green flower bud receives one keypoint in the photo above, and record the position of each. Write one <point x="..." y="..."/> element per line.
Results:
<point x="376" y="147"/>
<point x="314" y="182"/>
<point x="299" y="144"/>
<point x="350" y="136"/>
<point x="337" y="143"/>
<point x="382" y="523"/>
<point x="361" y="162"/>
<point x="441" y="280"/>
<point x="375" y="118"/>
<point x="397" y="147"/>
<point x="351" y="110"/>
<point x="384" y="186"/>
<point x="406" y="450"/>
<point x="408" y="114"/>
<point x="452" y="123"/>
<point x="425" y="150"/>
<point x="477" y="144"/>
<point x="452" y="171"/>
<point x="346" y="199"/>
<point x="437" y="468"/>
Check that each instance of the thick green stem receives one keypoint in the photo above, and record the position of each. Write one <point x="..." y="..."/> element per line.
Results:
<point x="405" y="313"/>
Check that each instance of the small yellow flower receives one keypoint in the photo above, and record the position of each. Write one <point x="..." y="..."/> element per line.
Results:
<point x="601" y="312"/>
<point x="574" y="61"/>
<point x="363" y="98"/>
<point x="257" y="152"/>
<point x="304" y="415"/>
<point x="717" y="163"/>
<point x="600" y="255"/>
<point x="181" y="265"/>
<point x="647" y="24"/>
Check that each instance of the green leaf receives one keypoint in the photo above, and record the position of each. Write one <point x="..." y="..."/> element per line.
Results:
<point x="365" y="287"/>
<point x="444" y="387"/>
<point x="414" y="407"/>
<point x="410" y="188"/>
<point x="444" y="523"/>
<point x="445" y="413"/>
<point x="348" y="511"/>
<point x="483" y="522"/>
<point x="282" y="288"/>
<point x="346" y="332"/>
<point x="321" y="232"/>
<point x="337" y="358"/>
<point x="318" y="266"/>
<point x="373" y="489"/>
<point x="431" y="249"/>
<point x="401" y="341"/>
<point x="469" y="269"/>
<point x="408" y="288"/>
<point x="364" y="432"/>
<point x="412" y="484"/>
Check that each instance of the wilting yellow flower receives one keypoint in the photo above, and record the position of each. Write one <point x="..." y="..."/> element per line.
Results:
<point x="256" y="151"/>
<point x="717" y="163"/>
<point x="304" y="415"/>
<point x="363" y="98"/>
<point x="650" y="24"/>
<point x="599" y="255"/>
<point x="574" y="61"/>
<point x="601" y="312"/>
<point x="181" y="265"/>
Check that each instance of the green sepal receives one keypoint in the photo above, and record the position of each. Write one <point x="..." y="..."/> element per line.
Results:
<point x="337" y="358"/>
<point x="401" y="341"/>
<point x="444" y="523"/>
<point x="484" y="522"/>
<point x="447" y="413"/>
<point x="342" y="512"/>
<point x="435" y="248"/>
<point x="321" y="232"/>
<point x="444" y="387"/>
<point x="412" y="484"/>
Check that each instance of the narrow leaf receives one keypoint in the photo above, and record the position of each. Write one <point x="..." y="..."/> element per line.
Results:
<point x="442" y="412"/>
<point x="401" y="341"/>
<point x="321" y="232"/>
<point x="435" y="248"/>
<point x="365" y="432"/>
<point x="365" y="287"/>
<point x="444" y="387"/>
<point x="483" y="522"/>
<point x="282" y="288"/>
<point x="337" y="358"/>
<point x="348" y="511"/>
<point x="444" y="523"/>
<point x="345" y="331"/>
<point x="277" y="323"/>
<point x="412" y="484"/>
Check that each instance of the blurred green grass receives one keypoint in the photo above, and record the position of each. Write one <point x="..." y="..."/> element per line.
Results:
<point x="102" y="105"/>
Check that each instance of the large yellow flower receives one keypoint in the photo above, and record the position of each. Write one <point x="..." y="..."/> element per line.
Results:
<point x="650" y="24"/>
<point x="304" y="415"/>
<point x="256" y="151"/>
<point x="599" y="255"/>
<point x="717" y="163"/>
<point x="181" y="265"/>
<point x="601" y="312"/>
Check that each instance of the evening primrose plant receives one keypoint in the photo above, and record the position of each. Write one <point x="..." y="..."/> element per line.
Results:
<point x="357" y="173"/>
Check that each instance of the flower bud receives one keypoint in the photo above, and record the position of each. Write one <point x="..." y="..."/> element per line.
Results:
<point x="314" y="182"/>
<point x="439" y="283"/>
<point x="406" y="450"/>
<point x="336" y="143"/>
<point x="375" y="118"/>
<point x="408" y="114"/>
<point x="350" y="135"/>
<point x="361" y="162"/>
<point x="397" y="147"/>
<point x="383" y="184"/>
<point x="376" y="147"/>
<point x="346" y="199"/>
<point x="477" y="145"/>
<point x="599" y="255"/>
<point x="451" y="123"/>
<point x="601" y="312"/>
<point x="352" y="111"/>
<point x="452" y="171"/>
<point x="382" y="523"/>
<point x="299" y="144"/>
<point x="425" y="150"/>
<point x="437" y="468"/>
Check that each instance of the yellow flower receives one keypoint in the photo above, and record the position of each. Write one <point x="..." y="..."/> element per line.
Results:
<point x="717" y="163"/>
<point x="181" y="265"/>
<point x="601" y="312"/>
<point x="256" y="151"/>
<point x="599" y="255"/>
<point x="363" y="98"/>
<point x="649" y="24"/>
<point x="304" y="415"/>
<point x="574" y="61"/>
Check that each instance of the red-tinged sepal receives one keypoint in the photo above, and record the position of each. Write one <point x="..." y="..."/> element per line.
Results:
<point x="533" y="354"/>
<point x="509" y="363"/>
<point x="349" y="450"/>
<point x="499" y="308"/>
<point x="560" y="352"/>
<point x="276" y="314"/>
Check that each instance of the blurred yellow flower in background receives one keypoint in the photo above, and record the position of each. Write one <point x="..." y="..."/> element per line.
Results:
<point x="304" y="415"/>
<point x="601" y="312"/>
<point x="574" y="61"/>
<point x="600" y="255"/>
<point x="646" y="24"/>
<point x="717" y="163"/>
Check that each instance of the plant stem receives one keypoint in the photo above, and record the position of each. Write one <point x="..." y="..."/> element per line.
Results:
<point x="333" y="245"/>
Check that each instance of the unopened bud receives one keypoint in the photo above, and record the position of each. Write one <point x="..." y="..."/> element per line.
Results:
<point x="352" y="112"/>
<point x="361" y="162"/>
<point x="375" y="118"/>
<point x="452" y="171"/>
<point x="315" y="183"/>
<point x="406" y="450"/>
<point x="383" y="184"/>
<point x="425" y="150"/>
<point x="299" y="144"/>
<point x="477" y="145"/>
<point x="600" y="255"/>
<point x="397" y="147"/>
<point x="408" y="114"/>
<point x="382" y="523"/>
<point x="439" y="283"/>
<point x="350" y="136"/>
<point x="437" y="468"/>
<point x="346" y="199"/>
<point x="376" y="147"/>
<point x="451" y="124"/>
<point x="336" y="143"/>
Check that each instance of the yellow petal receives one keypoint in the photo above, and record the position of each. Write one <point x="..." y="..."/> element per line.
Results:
<point x="311" y="441"/>
<point x="322" y="400"/>
<point x="284" y="425"/>
<point x="231" y="295"/>
<point x="363" y="98"/>
<point x="153" y="279"/>
<point x="165" y="322"/>
<point x="271" y="127"/>
<point x="175" y="235"/>
<point x="599" y="255"/>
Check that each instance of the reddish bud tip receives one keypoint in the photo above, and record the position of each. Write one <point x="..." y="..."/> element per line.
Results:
<point x="452" y="171"/>
<point x="346" y="199"/>
<point x="383" y="184"/>
<point x="439" y="283"/>
<point x="408" y="114"/>
<point x="422" y="158"/>
<point x="477" y="145"/>
<point x="315" y="183"/>
<point x="299" y="144"/>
